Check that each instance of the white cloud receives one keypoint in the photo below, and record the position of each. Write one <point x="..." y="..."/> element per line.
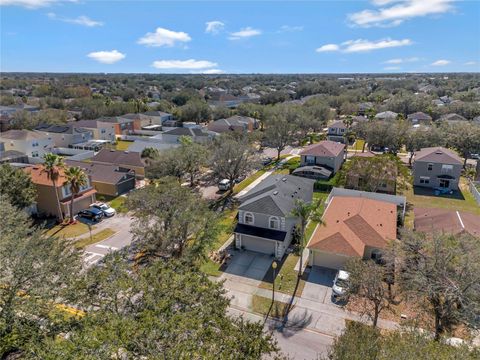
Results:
<point x="398" y="11"/>
<point x="214" y="27"/>
<point x="361" y="45"/>
<point x="244" y="33"/>
<point x="392" y="68"/>
<point x="190" y="64"/>
<point x="328" y="48"/>
<point x="289" y="28"/>
<point x="80" y="20"/>
<point x="440" y="63"/>
<point x="469" y="63"/>
<point x="164" y="37"/>
<point x="400" y="61"/>
<point x="107" y="57"/>
<point x="29" y="4"/>
<point x="213" y="71"/>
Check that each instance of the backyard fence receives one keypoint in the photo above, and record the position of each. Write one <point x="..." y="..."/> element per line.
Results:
<point x="474" y="189"/>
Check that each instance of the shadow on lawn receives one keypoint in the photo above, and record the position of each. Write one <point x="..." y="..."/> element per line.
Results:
<point x="457" y="195"/>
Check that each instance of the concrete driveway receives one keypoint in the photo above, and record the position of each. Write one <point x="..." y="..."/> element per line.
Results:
<point x="318" y="286"/>
<point x="247" y="267"/>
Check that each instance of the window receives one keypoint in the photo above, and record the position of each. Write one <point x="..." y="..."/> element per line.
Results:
<point x="310" y="159"/>
<point x="248" y="218"/>
<point x="66" y="190"/>
<point x="342" y="130"/>
<point x="103" y="131"/>
<point x="274" y="222"/>
<point x="35" y="144"/>
<point x="34" y="153"/>
<point x="424" y="180"/>
<point x="430" y="167"/>
<point x="447" y="168"/>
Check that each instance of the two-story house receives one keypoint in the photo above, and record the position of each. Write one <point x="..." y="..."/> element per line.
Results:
<point x="159" y="117"/>
<point x="46" y="199"/>
<point x="34" y="144"/>
<point x="354" y="227"/>
<point x="124" y="160"/>
<point x="233" y="123"/>
<point x="265" y="220"/>
<point x="123" y="126"/>
<point x="437" y="167"/>
<point x="100" y="130"/>
<point x="321" y="160"/>
<point x="336" y="132"/>
<point x="65" y="135"/>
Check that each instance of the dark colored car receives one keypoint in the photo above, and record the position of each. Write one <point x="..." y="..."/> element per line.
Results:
<point x="267" y="161"/>
<point x="91" y="214"/>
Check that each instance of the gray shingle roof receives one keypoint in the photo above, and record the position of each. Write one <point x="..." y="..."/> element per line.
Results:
<point x="105" y="173"/>
<point x="438" y="155"/>
<point x="276" y="195"/>
<point x="119" y="157"/>
<point x="22" y="135"/>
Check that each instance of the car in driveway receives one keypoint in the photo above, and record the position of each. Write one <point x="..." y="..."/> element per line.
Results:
<point x="104" y="208"/>
<point x="92" y="214"/>
<point x="224" y="185"/>
<point x="340" y="283"/>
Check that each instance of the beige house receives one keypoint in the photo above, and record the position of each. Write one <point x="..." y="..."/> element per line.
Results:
<point x="31" y="143"/>
<point x="46" y="199"/>
<point x="101" y="130"/>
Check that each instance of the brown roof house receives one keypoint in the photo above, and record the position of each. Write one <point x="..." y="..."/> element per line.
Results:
<point x="354" y="227"/>
<point x="101" y="130"/>
<point x="233" y="123"/>
<point x="434" y="220"/>
<point x="321" y="160"/>
<point x="336" y="131"/>
<point x="437" y="167"/>
<point x="107" y="179"/>
<point x="46" y="199"/>
<point x="124" y="160"/>
<point x="420" y="118"/>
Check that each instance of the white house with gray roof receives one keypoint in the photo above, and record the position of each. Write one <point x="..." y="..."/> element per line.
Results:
<point x="34" y="144"/>
<point x="265" y="223"/>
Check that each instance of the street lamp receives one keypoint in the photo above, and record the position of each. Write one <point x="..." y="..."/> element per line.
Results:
<point x="274" y="267"/>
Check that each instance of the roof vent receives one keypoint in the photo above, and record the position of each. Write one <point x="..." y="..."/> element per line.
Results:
<point x="284" y="179"/>
<point x="439" y="152"/>
<point x="275" y="192"/>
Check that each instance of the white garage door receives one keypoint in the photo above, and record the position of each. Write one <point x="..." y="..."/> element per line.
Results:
<point x="328" y="260"/>
<point x="258" y="245"/>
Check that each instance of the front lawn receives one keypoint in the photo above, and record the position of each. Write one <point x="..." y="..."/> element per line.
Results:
<point x="100" y="236"/>
<point x="123" y="145"/>
<point x="211" y="268"/>
<point x="242" y="185"/>
<point x="286" y="279"/>
<point x="263" y="305"/>
<point x="68" y="231"/>
<point x="118" y="204"/>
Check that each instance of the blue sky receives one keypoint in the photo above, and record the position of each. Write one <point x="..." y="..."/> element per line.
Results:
<point x="240" y="36"/>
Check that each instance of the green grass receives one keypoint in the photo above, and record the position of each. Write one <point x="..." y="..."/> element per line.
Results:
<point x="239" y="187"/>
<point x="261" y="305"/>
<point x="68" y="231"/>
<point x="211" y="268"/>
<point x="100" y="236"/>
<point x="118" y="204"/>
<point x="123" y="145"/>
<point x="467" y="204"/>
<point x="286" y="278"/>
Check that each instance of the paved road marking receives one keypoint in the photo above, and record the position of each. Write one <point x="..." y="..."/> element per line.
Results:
<point x="106" y="247"/>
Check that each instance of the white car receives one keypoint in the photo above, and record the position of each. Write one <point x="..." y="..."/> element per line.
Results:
<point x="107" y="210"/>
<point x="340" y="283"/>
<point x="224" y="185"/>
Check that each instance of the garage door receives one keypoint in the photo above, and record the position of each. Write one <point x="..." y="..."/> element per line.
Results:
<point x="328" y="260"/>
<point x="258" y="245"/>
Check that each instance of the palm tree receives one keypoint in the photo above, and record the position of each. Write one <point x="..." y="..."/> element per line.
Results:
<point x="76" y="178"/>
<point x="52" y="165"/>
<point x="305" y="212"/>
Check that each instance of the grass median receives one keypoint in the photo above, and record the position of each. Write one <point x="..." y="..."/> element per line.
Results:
<point x="100" y="236"/>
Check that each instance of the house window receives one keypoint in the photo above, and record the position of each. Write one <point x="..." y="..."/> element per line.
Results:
<point x="424" y="180"/>
<point x="430" y="167"/>
<point x="34" y="153"/>
<point x="248" y="218"/>
<point x="342" y="130"/>
<point x="34" y="144"/>
<point x="274" y="222"/>
<point x="103" y="131"/>
<point x="66" y="191"/>
<point x="447" y="168"/>
<point x="376" y="255"/>
<point x="310" y="159"/>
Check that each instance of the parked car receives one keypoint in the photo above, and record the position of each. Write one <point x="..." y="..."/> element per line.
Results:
<point x="340" y="283"/>
<point x="91" y="214"/>
<point x="267" y="161"/>
<point x="475" y="156"/>
<point x="224" y="185"/>
<point x="107" y="210"/>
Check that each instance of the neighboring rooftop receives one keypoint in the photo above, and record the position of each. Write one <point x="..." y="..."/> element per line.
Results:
<point x="182" y="131"/>
<point x="352" y="223"/>
<point x="324" y="148"/>
<point x="104" y="173"/>
<point x="446" y="221"/>
<point x="22" y="135"/>
<point x="119" y="157"/>
<point x="276" y="195"/>
<point x="337" y="124"/>
<point x="61" y="129"/>
<point x="419" y="116"/>
<point x="39" y="175"/>
<point x="88" y="124"/>
<point x="438" y="155"/>
<point x="386" y="115"/>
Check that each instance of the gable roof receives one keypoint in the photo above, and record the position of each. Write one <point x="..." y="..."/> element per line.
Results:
<point x="352" y="223"/>
<point x="61" y="129"/>
<point x="324" y="148"/>
<point x="105" y="173"/>
<point x="39" y="175"/>
<point x="182" y="131"/>
<point x="276" y="195"/>
<point x="419" y="116"/>
<point x="338" y="124"/>
<point x="442" y="220"/>
<point x="438" y="154"/>
<point x="23" y="135"/>
<point x="119" y="157"/>
<point x="452" y="117"/>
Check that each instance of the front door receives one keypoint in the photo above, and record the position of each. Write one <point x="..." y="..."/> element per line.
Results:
<point x="444" y="183"/>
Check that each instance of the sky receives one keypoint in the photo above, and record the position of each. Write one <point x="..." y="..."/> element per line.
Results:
<point x="381" y="36"/>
